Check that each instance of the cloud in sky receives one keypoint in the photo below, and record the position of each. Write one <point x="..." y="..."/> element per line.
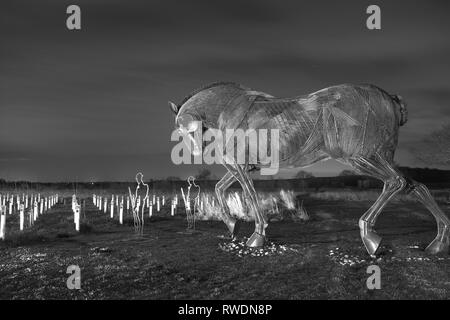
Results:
<point x="92" y="104"/>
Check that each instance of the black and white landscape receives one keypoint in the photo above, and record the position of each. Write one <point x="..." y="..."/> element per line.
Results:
<point x="84" y="92"/>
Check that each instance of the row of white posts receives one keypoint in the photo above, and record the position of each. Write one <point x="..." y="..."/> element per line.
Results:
<point x="117" y="203"/>
<point x="34" y="204"/>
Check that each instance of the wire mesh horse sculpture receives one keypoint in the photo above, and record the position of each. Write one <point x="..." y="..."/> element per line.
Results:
<point x="355" y="124"/>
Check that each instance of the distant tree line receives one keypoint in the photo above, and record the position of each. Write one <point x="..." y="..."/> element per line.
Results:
<point x="434" y="178"/>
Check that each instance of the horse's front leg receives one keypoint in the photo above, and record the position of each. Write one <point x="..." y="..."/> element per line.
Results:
<point x="231" y="223"/>
<point x="258" y="237"/>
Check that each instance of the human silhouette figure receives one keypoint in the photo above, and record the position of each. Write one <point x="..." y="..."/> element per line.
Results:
<point x="191" y="202"/>
<point x="138" y="200"/>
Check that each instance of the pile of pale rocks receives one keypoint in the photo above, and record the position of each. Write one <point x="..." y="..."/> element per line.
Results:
<point x="240" y="249"/>
<point x="344" y="258"/>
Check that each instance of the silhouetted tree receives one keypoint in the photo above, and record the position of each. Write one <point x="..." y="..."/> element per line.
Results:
<point x="436" y="147"/>
<point x="347" y="172"/>
<point x="204" y="174"/>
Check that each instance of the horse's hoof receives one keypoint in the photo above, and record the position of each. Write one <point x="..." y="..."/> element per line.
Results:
<point x="437" y="246"/>
<point x="256" y="240"/>
<point x="371" y="241"/>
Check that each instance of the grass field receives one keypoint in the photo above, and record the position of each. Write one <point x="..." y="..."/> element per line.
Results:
<point x="325" y="257"/>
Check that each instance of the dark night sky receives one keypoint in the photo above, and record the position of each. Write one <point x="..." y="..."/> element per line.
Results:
<point x="92" y="104"/>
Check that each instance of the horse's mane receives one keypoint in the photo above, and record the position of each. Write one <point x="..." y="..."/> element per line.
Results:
<point x="214" y="84"/>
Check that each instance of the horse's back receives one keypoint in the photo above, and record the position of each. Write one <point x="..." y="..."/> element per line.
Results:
<point x="340" y="121"/>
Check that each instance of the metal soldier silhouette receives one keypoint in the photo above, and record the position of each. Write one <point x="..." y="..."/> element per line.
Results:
<point x="191" y="201"/>
<point x="138" y="201"/>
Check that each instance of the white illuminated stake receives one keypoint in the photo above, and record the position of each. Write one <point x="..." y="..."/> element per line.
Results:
<point x="2" y="222"/>
<point x="22" y="216"/>
<point x="112" y="207"/>
<point x="74" y="214"/>
<point x="121" y="212"/>
<point x="77" y="217"/>
<point x="35" y="210"/>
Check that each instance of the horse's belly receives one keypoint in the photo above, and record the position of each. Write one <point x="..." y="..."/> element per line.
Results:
<point x="374" y="134"/>
<point x="304" y="160"/>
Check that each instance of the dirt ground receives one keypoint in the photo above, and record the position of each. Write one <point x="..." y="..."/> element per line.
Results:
<point x="322" y="258"/>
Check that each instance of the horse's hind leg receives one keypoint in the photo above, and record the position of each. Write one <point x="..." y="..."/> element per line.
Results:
<point x="441" y="242"/>
<point x="393" y="183"/>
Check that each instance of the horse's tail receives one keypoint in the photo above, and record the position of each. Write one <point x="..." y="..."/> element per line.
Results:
<point x="403" y="111"/>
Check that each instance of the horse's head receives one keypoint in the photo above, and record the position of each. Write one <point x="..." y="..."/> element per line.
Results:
<point x="187" y="122"/>
<point x="203" y="109"/>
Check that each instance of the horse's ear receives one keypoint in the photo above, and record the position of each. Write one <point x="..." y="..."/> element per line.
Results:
<point x="173" y="107"/>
